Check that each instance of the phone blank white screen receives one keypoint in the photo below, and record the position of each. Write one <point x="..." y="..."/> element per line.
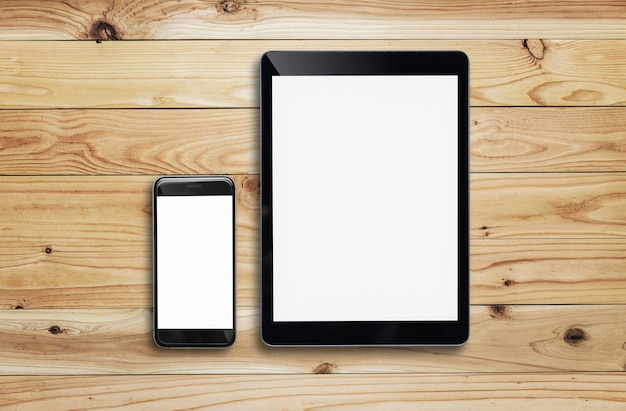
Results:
<point x="195" y="262"/>
<point x="365" y="198"/>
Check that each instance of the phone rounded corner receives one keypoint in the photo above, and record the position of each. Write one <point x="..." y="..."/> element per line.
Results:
<point x="230" y="181"/>
<point x="156" y="183"/>
<point x="158" y="180"/>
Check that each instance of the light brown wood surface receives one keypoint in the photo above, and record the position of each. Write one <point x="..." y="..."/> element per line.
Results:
<point x="86" y="127"/>
<point x="237" y="19"/>
<point x="86" y="241"/>
<point x="164" y="141"/>
<point x="174" y="141"/>
<point x="602" y="391"/>
<point x="217" y="74"/>
<point x="504" y="338"/>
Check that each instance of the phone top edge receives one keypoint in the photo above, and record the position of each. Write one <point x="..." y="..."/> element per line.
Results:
<point x="188" y="178"/>
<point x="193" y="185"/>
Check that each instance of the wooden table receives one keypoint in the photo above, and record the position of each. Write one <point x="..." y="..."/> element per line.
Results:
<point x="86" y="127"/>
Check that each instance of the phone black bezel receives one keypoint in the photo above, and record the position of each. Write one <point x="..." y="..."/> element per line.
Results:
<point x="192" y="186"/>
<point x="319" y="63"/>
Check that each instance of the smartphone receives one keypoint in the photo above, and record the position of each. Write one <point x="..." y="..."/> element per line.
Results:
<point x="194" y="261"/>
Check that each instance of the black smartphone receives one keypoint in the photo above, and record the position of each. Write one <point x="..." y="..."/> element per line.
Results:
<point x="194" y="261"/>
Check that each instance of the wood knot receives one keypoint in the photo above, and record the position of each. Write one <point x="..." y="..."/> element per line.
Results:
<point x="55" y="329"/>
<point x="536" y="48"/>
<point x="48" y="250"/>
<point x="228" y="6"/>
<point x="102" y="30"/>
<point x="575" y="336"/>
<point x="325" y="368"/>
<point x="508" y="282"/>
<point x="501" y="312"/>
<point x="249" y="189"/>
<point x="485" y="231"/>
<point x="251" y="185"/>
<point x="235" y="10"/>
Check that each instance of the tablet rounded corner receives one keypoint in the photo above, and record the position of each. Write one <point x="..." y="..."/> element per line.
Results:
<point x="267" y="342"/>
<point x="463" y="55"/>
<point x="158" y="342"/>
<point x="464" y="339"/>
<point x="267" y="56"/>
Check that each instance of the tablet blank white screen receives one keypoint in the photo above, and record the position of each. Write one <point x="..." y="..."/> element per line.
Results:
<point x="365" y="199"/>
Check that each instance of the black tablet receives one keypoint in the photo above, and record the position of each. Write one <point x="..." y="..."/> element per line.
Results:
<point x="364" y="198"/>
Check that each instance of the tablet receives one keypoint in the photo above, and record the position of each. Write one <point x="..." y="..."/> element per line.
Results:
<point x="364" y="198"/>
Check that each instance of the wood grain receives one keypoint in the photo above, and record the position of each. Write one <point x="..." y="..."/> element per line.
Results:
<point x="515" y="139"/>
<point x="113" y="141"/>
<point x="508" y="271"/>
<point x="489" y="391"/>
<point x="220" y="141"/>
<point x="297" y="19"/>
<point x="217" y="74"/>
<point x="99" y="277"/>
<point x="559" y="271"/>
<point x="503" y="338"/>
<point x="568" y="205"/>
<point x="86" y="241"/>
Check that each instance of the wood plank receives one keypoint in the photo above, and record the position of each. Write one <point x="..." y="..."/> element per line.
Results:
<point x="162" y="74"/>
<point x="195" y="19"/>
<point x="99" y="277"/>
<point x="560" y="271"/>
<point x="568" y="205"/>
<point x="86" y="241"/>
<point x="502" y="272"/>
<point x="605" y="391"/>
<point x="218" y="141"/>
<point x="162" y="141"/>
<point x="503" y="339"/>
<point x="547" y="139"/>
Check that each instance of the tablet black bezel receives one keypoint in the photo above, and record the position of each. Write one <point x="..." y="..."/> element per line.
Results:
<point x="285" y="63"/>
